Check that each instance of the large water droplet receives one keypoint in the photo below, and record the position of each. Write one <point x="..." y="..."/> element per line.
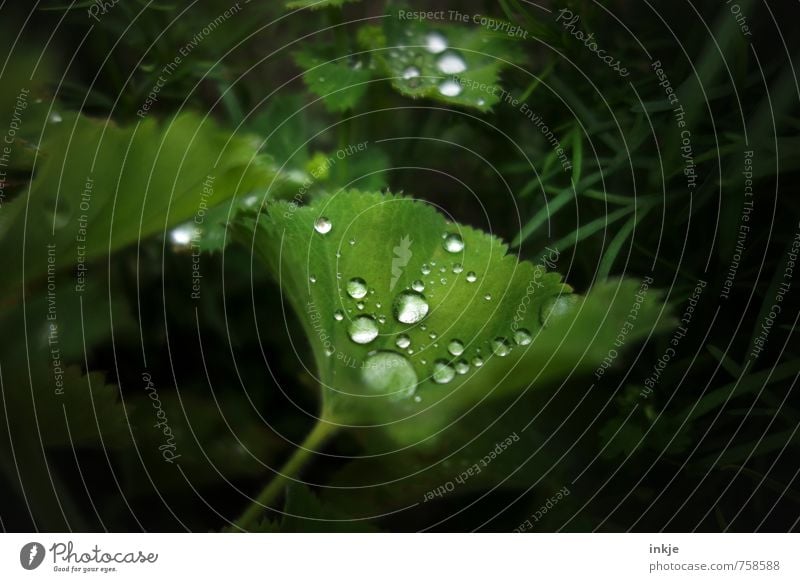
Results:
<point x="322" y="225"/>
<point x="450" y="88"/>
<point x="357" y="288"/>
<point x="522" y="337"/>
<point x="403" y="341"/>
<point x="410" y="307"/>
<point x="455" y="347"/>
<point x="435" y="43"/>
<point x="451" y="64"/>
<point x="453" y="243"/>
<point x="471" y="277"/>
<point x="443" y="372"/>
<point x="556" y="307"/>
<point x="363" y="329"/>
<point x="418" y="286"/>
<point x="389" y="373"/>
<point x="501" y="347"/>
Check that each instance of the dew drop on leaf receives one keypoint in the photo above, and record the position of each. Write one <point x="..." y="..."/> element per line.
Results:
<point x="457" y="268"/>
<point x="389" y="373"/>
<point x="522" y="337"/>
<point x="471" y="277"/>
<point x="451" y="64"/>
<point x="363" y="329"/>
<point x="488" y="297"/>
<point x="426" y="270"/>
<point x="462" y="367"/>
<point x="322" y="225"/>
<point x="501" y="347"/>
<point x="450" y="88"/>
<point x="338" y="315"/>
<point x="443" y="372"/>
<point x="435" y="43"/>
<point x="403" y="341"/>
<point x="411" y="73"/>
<point x="453" y="243"/>
<point x="477" y="361"/>
<point x="455" y="347"/>
<point x="357" y="288"/>
<point x="418" y="286"/>
<point x="410" y="307"/>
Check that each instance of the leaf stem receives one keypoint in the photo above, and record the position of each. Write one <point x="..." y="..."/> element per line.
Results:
<point x="315" y="440"/>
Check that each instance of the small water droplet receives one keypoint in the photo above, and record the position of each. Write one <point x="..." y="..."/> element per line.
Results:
<point x="471" y="277"/>
<point x="417" y="398"/>
<point x="477" y="362"/>
<point x="338" y="315"/>
<point x="411" y="73"/>
<point x="453" y="243"/>
<point x="435" y="43"/>
<point x="410" y="307"/>
<point x="329" y="351"/>
<point x="363" y="329"/>
<point x="381" y="319"/>
<point x="455" y="347"/>
<point x="312" y="279"/>
<point x="352" y="241"/>
<point x="418" y="286"/>
<point x="462" y="367"/>
<point x="457" y="268"/>
<point x="55" y="117"/>
<point x="433" y="335"/>
<point x="357" y="288"/>
<point x="360" y="306"/>
<point x="322" y="225"/>
<point x="501" y="347"/>
<point x="403" y="341"/>
<point x="181" y="236"/>
<point x="426" y="270"/>
<point x="451" y="64"/>
<point x="450" y="88"/>
<point x="443" y="372"/>
<point x="443" y="281"/>
<point x="522" y="337"/>
<point x="390" y="374"/>
<point x="423" y="327"/>
<point x="481" y="102"/>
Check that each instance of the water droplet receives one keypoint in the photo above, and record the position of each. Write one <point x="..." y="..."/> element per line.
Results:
<point x="522" y="337"/>
<point x="322" y="225"/>
<point x="450" y="88"/>
<point x="471" y="277"/>
<point x="363" y="329"/>
<point x="352" y="241"/>
<point x="426" y="270"/>
<point x="457" y="268"/>
<point x="451" y="64"/>
<point x="423" y="361"/>
<point x="389" y="373"/>
<point x="481" y="102"/>
<point x="442" y="269"/>
<point x="462" y="367"/>
<point x="55" y="117"/>
<point x="417" y="398"/>
<point x="455" y="347"/>
<point x="329" y="351"/>
<point x="410" y="307"/>
<point x="360" y="306"/>
<point x="312" y="279"/>
<point x="403" y="341"/>
<point x="443" y="372"/>
<point x="181" y="236"/>
<point x="500" y="347"/>
<point x="423" y="327"/>
<point x="338" y="315"/>
<point x="411" y="73"/>
<point x="477" y="362"/>
<point x="556" y="307"/>
<point x="435" y="43"/>
<point x="453" y="243"/>
<point x="381" y="319"/>
<point x="443" y="281"/>
<point x="418" y="286"/>
<point x="357" y="288"/>
<point x="488" y="297"/>
<point x="433" y="335"/>
<point x="378" y="305"/>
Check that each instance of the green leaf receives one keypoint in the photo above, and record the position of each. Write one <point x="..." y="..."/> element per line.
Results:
<point x="99" y="187"/>
<point x="457" y="65"/>
<point x="341" y="81"/>
<point x="476" y="295"/>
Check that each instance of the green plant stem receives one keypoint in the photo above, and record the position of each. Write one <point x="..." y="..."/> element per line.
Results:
<point x="315" y="440"/>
